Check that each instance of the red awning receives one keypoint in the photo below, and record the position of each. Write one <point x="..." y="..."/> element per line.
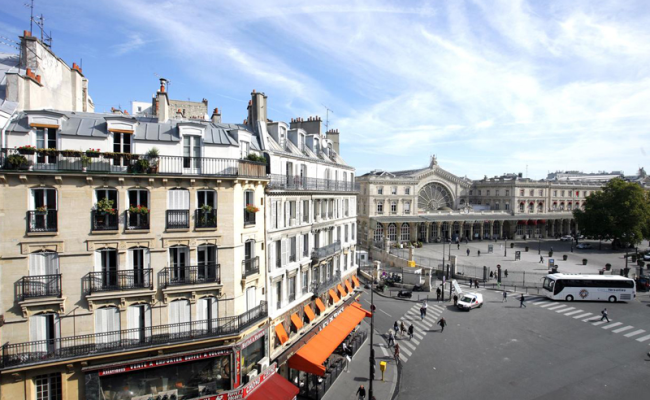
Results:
<point x="542" y="221"/>
<point x="274" y="388"/>
<point x="523" y="222"/>
<point x="532" y="222"/>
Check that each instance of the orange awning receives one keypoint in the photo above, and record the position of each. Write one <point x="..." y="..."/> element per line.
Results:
<point x="297" y="322"/>
<point x="341" y="290"/>
<point x="348" y="286"/>
<point x="309" y="313"/>
<point x="356" y="281"/>
<point x="357" y="305"/>
<point x="311" y="356"/>
<point x="334" y="296"/>
<point x="282" y="334"/>
<point x="320" y="305"/>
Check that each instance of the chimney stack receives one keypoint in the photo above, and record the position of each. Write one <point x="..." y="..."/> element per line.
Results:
<point x="162" y="102"/>
<point x="216" y="116"/>
<point x="333" y="135"/>
<point x="257" y="109"/>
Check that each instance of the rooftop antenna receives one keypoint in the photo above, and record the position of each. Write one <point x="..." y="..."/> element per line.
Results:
<point x="327" y="117"/>
<point x="31" y="15"/>
<point x="40" y="22"/>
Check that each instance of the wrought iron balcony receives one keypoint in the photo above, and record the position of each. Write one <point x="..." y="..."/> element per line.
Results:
<point x="42" y="221"/>
<point x="137" y="221"/>
<point x="205" y="219"/>
<point x="107" y="281"/>
<point x="250" y="266"/>
<point x="190" y="275"/>
<point x="178" y="219"/>
<point x="326" y="251"/>
<point x="294" y="182"/>
<point x="318" y="287"/>
<point x="39" y="286"/>
<point x="103" y="221"/>
<point x="71" y="347"/>
<point x="112" y="163"/>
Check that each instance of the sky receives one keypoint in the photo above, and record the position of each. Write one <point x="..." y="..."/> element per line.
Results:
<point x="489" y="87"/>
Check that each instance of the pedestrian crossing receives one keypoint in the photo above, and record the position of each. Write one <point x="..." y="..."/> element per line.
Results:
<point x="421" y="326"/>
<point x="627" y="331"/>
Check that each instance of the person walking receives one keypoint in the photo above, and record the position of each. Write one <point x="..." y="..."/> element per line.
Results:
<point x="396" y="328"/>
<point x="442" y="324"/>
<point x="396" y="353"/>
<point x="402" y="328"/>
<point x="522" y="301"/>
<point x="604" y="313"/>
<point x="391" y="338"/>
<point x="541" y="259"/>
<point x="471" y="282"/>
<point x="467" y="252"/>
<point x="506" y="273"/>
<point x="361" y="393"/>
<point x="476" y="283"/>
<point x="455" y="299"/>
<point x="505" y="297"/>
<point x="458" y="245"/>
<point x="438" y="292"/>
<point x="478" y="252"/>
<point x="411" y="328"/>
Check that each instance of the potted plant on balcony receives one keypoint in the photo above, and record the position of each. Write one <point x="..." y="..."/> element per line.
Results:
<point x="26" y="149"/>
<point x="41" y="210"/>
<point x="71" y="153"/>
<point x="256" y="158"/>
<point x="94" y="153"/>
<point x="142" y="210"/>
<point x="16" y="161"/>
<point x="48" y="152"/>
<point x="105" y="206"/>
<point x="152" y="156"/>
<point x="85" y="162"/>
<point x="584" y="261"/>
<point x="251" y="208"/>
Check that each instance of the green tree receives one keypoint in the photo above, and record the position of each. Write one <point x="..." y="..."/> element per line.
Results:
<point x="621" y="211"/>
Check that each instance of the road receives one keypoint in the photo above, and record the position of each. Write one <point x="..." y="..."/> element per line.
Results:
<point x="548" y="350"/>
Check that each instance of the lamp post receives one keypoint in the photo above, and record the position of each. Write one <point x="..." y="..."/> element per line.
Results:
<point x="371" y="372"/>
<point x="539" y="246"/>
<point x="505" y="246"/>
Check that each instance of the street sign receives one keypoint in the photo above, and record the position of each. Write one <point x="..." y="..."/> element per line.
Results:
<point x="490" y="248"/>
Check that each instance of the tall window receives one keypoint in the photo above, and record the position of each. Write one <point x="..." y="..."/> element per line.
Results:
<point x="107" y="324"/>
<point x="207" y="311"/>
<point x="139" y="262"/>
<point x="293" y="249"/>
<point x="48" y="387"/>
<point x="45" y="329"/>
<point x="206" y="257"/>
<point x="380" y="190"/>
<point x="179" y="258"/>
<point x="251" y="298"/>
<point x="305" y="245"/>
<point x="178" y="208"/>
<point x="106" y="263"/>
<point x="191" y="152"/>
<point x="276" y="254"/>
<point x="407" y="190"/>
<point x="406" y="230"/>
<point x="540" y="208"/>
<point x="407" y="207"/>
<point x="305" y="211"/>
<point x="292" y="288"/>
<point x="278" y="294"/>
<point x="380" y="208"/>
<point x="43" y="204"/>
<point x="393" y="190"/>
<point x="521" y="207"/>
<point x="138" y="322"/>
<point x="138" y="198"/>
<point x="249" y="217"/>
<point x="392" y="232"/>
<point x="393" y="207"/>
<point x="179" y="317"/>
<point x="379" y="232"/>
<point x="121" y="144"/>
<point x="206" y="208"/>
<point x="507" y="192"/>
<point x="45" y="139"/>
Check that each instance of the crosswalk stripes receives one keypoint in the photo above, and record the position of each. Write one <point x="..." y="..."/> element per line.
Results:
<point x="623" y="329"/>
<point x="405" y="350"/>
<point x="610" y="326"/>
<point x="409" y="344"/>
<point x="598" y="323"/>
<point x="643" y="338"/>
<point x="383" y="349"/>
<point x="550" y="303"/>
<point x="555" y="307"/>
<point x="419" y="336"/>
<point x="637" y="332"/>
<point x="565" y="309"/>
<point x="582" y="315"/>
<point x="403" y="357"/>
<point x="574" y="312"/>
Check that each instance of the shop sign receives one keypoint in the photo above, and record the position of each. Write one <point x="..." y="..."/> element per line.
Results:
<point x="331" y="318"/>
<point x="237" y="377"/>
<point x="245" y="390"/>
<point x="161" y="363"/>
<point x="252" y="339"/>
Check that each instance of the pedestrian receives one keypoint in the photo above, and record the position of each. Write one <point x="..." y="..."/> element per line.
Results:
<point x="471" y="282"/>
<point x="442" y="324"/>
<point x="411" y="331"/>
<point x="506" y="273"/>
<point x="491" y="274"/>
<point x="458" y="244"/>
<point x="467" y="252"/>
<point x="391" y="338"/>
<point x="438" y="291"/>
<point x="455" y="299"/>
<point x="505" y="297"/>
<point x="604" y="312"/>
<point x="541" y="259"/>
<point x="476" y="283"/>
<point x="402" y="328"/>
<point x="361" y="392"/>
<point x="479" y="252"/>
<point x="521" y="301"/>
<point x="396" y="328"/>
<point x="423" y="311"/>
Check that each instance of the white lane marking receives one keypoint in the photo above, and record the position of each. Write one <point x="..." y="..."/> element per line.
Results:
<point x="627" y="328"/>
<point x="414" y="340"/>
<point x="598" y="323"/>
<point x="637" y="332"/>
<point x="574" y="312"/>
<point x="563" y="310"/>
<point x="407" y="351"/>
<point x="409" y="344"/>
<point x="419" y="336"/>
<point x="427" y="324"/>
<point x="438" y="307"/>
<point x="380" y="310"/>
<point x="384" y="351"/>
<point x="556" y="307"/>
<point x="547" y="305"/>
<point x="582" y="315"/>
<point x="403" y="357"/>
<point x="643" y="338"/>
<point x="614" y="325"/>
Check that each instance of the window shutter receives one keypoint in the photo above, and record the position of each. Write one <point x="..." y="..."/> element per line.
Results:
<point x="286" y="213"/>
<point x="271" y="248"/>
<point x="37" y="327"/>
<point x="202" y="313"/>
<point x="214" y="306"/>
<point x="185" y="199"/>
<point x="250" y="298"/>
<point x="283" y="246"/>
<point x="36" y="264"/>
<point x="133" y="322"/>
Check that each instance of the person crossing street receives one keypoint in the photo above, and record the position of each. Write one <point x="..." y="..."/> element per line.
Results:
<point x="505" y="297"/>
<point x="361" y="393"/>
<point x="604" y="313"/>
<point x="442" y="324"/>
<point x="411" y="328"/>
<point x="521" y="301"/>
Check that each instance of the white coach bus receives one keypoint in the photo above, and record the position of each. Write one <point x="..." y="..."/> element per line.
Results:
<point x="571" y="287"/>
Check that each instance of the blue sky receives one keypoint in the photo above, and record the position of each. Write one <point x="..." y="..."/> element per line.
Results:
<point x="488" y="86"/>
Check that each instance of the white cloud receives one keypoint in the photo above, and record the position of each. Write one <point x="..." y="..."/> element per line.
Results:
<point x="134" y="42"/>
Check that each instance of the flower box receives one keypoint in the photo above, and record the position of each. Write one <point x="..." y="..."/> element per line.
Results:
<point x="138" y="210"/>
<point x="251" y="208"/>
<point x="93" y="153"/>
<point x="71" y="153"/>
<point x="26" y="149"/>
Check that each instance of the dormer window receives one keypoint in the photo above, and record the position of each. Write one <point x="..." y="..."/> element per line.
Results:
<point x="45" y="139"/>
<point x="245" y="149"/>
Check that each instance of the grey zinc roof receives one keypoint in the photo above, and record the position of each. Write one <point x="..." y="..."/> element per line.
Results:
<point x="8" y="62"/>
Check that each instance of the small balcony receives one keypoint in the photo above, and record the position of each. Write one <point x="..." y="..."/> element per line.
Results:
<point x="250" y="267"/>
<point x="103" y="221"/>
<point x="137" y="221"/>
<point x="190" y="275"/>
<point x="205" y="219"/>
<point x="295" y="182"/>
<point x="320" y="287"/>
<point x="325" y="251"/>
<point x="249" y="218"/>
<point x="177" y="219"/>
<point x="42" y="221"/>
<point x="39" y="286"/>
<point x="108" y="281"/>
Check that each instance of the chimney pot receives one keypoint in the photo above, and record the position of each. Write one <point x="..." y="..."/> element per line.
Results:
<point x="253" y="91"/>
<point x="27" y="33"/>
<point x="38" y="78"/>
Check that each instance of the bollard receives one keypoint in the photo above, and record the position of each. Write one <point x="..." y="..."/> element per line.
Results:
<point x="382" y="367"/>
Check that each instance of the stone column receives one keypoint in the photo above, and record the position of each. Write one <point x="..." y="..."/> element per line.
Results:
<point x="501" y="229"/>
<point x="471" y="231"/>
<point x="482" y="231"/>
<point x="439" y="229"/>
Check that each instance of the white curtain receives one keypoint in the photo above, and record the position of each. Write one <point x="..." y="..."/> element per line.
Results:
<point x="134" y="320"/>
<point x="207" y="312"/>
<point x="43" y="264"/>
<point x="179" y="313"/>
<point x="250" y="298"/>
<point x="38" y="331"/>
<point x="107" y="321"/>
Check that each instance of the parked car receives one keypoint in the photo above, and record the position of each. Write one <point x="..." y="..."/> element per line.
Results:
<point x="566" y="238"/>
<point x="646" y="257"/>
<point x="643" y="284"/>
<point x="468" y="301"/>
<point x="584" y="246"/>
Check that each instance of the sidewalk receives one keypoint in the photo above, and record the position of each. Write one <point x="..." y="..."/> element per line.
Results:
<point x="346" y="385"/>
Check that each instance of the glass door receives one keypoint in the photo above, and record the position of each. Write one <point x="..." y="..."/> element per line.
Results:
<point x="178" y="258"/>
<point x="191" y="154"/>
<point x="207" y="263"/>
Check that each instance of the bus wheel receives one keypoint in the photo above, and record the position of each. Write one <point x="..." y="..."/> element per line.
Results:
<point x="569" y="298"/>
<point x="612" y="299"/>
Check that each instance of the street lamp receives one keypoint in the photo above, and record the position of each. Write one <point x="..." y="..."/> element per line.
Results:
<point x="539" y="246"/>
<point x="371" y="373"/>
<point x="505" y="246"/>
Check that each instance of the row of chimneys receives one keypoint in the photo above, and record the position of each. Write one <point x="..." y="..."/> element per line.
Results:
<point x="333" y="131"/>
<point x="31" y="74"/>
<point x="76" y="67"/>
<point x="299" y="119"/>
<point x="27" y="33"/>
<point x="118" y="111"/>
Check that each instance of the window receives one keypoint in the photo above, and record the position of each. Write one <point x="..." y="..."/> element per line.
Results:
<point x="541" y="192"/>
<point x="393" y="190"/>
<point x="251" y="298"/>
<point x="278" y="294"/>
<point x="407" y="207"/>
<point x="496" y="205"/>
<point x="44" y="265"/>
<point x="507" y="192"/>
<point x="106" y="264"/>
<point x="521" y="192"/>
<point x="316" y="208"/>
<point x="207" y="311"/>
<point x="305" y="211"/>
<point x="291" y="212"/>
<point x="206" y="209"/>
<point x="305" y="281"/>
<point x="379" y="232"/>
<point x="48" y="387"/>
<point x="179" y="259"/>
<point x="245" y="149"/>
<point x="276" y="214"/>
<point x="563" y="193"/>
<point x="122" y="144"/>
<point x="521" y="207"/>
<point x="531" y="208"/>
<point x="293" y="249"/>
<point x="380" y="190"/>
<point x="487" y="192"/>
<point x="393" y="207"/>
<point x="380" y="208"/>
<point x="347" y="228"/>
<point x="507" y="206"/>
<point x="540" y="207"/>
<point x="305" y="245"/>
<point x="43" y="214"/>
<point x="338" y="234"/>
<point x="138" y="198"/>
<point x="407" y="190"/>
<point x="275" y="254"/>
<point x="520" y="229"/>
<point x="178" y="208"/>
<point x="353" y="230"/>
<point x="496" y="192"/>
<point x="584" y="193"/>
<point x="532" y="192"/>
<point x="249" y="217"/>
<point x="292" y="288"/>
<point x="555" y="193"/>
<point x="471" y="192"/>
<point x="207" y="269"/>
<point x="406" y="229"/>
<point x="45" y="139"/>
<point x="138" y="322"/>
<point x="179" y="317"/>
<point x="191" y="152"/>
<point x="392" y="232"/>
<point x="479" y="192"/>
<point x="44" y="329"/>
<point x="107" y="325"/>
<point x="138" y="260"/>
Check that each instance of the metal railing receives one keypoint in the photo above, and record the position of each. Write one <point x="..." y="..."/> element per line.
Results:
<point x="249" y="218"/>
<point x="42" y="221"/>
<point x="39" y="286"/>
<point x="137" y="221"/>
<point x="326" y="251"/>
<point x="43" y="351"/>
<point x="62" y="161"/>
<point x="205" y="219"/>
<point x="294" y="182"/>
<point x="250" y="266"/>
<point x="177" y="219"/>
<point x="318" y="288"/>
<point x="190" y="275"/>
<point x="106" y="281"/>
<point x="103" y="221"/>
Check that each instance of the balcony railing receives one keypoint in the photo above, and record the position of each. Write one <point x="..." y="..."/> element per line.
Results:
<point x="289" y="182"/>
<point x="104" y="221"/>
<point x="40" y="286"/>
<point x="137" y="221"/>
<point x="190" y="275"/>
<point x="106" y="281"/>
<point x="178" y="219"/>
<point x="205" y="219"/>
<point x="42" y="221"/>
<point x="326" y="251"/>
<point x="250" y="266"/>
<point x="62" y="161"/>
<point x="249" y="218"/>
<point x="43" y="351"/>
<point x="318" y="288"/>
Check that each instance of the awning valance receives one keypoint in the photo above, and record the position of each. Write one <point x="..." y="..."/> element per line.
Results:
<point x="282" y="334"/>
<point x="274" y="388"/>
<point x="309" y="313"/>
<point x="356" y="281"/>
<point x="341" y="290"/>
<point x="311" y="356"/>
<point x="320" y="305"/>
<point x="348" y="286"/>
<point x="334" y="296"/>
<point x="297" y="322"/>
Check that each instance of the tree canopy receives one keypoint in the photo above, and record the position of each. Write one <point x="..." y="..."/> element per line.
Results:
<point x="621" y="211"/>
